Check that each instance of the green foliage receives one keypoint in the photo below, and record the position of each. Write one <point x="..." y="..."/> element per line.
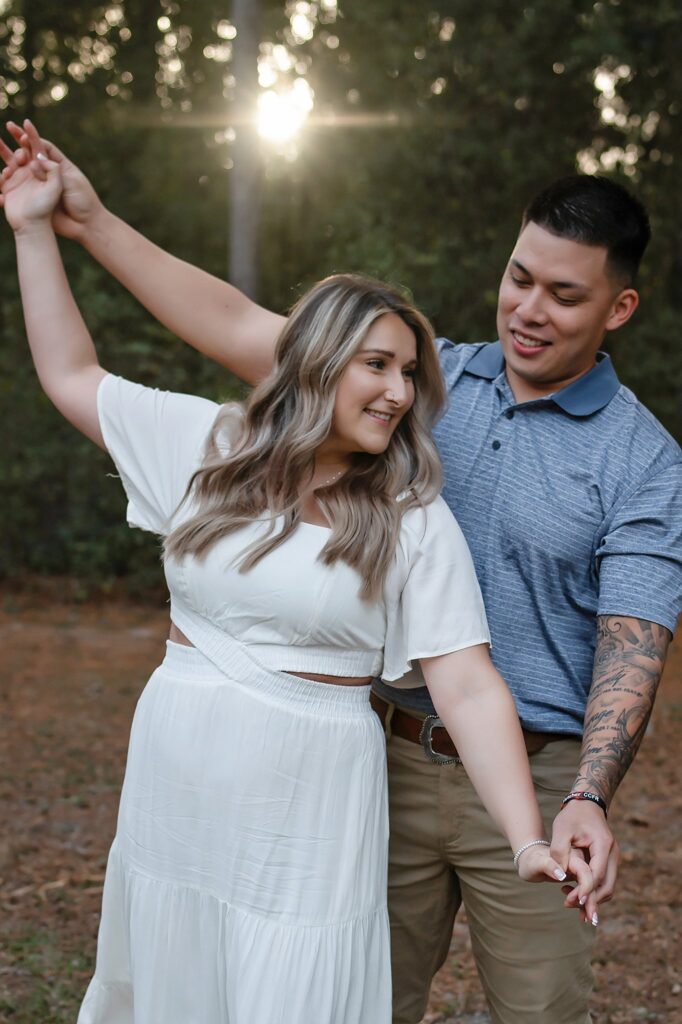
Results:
<point x="56" y="979"/>
<point x="446" y="120"/>
<point x="61" y="510"/>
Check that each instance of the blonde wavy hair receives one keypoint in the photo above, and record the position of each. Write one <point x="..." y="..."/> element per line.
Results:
<point x="274" y="437"/>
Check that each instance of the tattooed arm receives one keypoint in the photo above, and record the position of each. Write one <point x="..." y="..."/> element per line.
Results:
<point x="628" y="662"/>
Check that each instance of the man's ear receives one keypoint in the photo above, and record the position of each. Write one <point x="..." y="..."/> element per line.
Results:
<point x="624" y="305"/>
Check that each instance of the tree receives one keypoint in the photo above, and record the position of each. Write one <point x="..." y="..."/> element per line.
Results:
<point x="431" y="128"/>
<point x="245" y="176"/>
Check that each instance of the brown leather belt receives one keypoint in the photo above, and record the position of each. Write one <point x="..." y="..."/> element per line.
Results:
<point x="407" y="727"/>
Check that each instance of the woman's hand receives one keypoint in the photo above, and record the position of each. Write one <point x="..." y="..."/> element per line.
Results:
<point x="30" y="201"/>
<point x="79" y="204"/>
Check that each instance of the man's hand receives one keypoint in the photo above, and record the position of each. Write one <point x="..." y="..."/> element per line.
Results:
<point x="581" y="825"/>
<point x="79" y="203"/>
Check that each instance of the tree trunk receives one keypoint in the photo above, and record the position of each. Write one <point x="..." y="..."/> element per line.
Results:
<point x="244" y="176"/>
<point x="29" y="51"/>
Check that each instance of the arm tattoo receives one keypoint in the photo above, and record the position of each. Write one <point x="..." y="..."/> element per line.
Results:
<point x="628" y="662"/>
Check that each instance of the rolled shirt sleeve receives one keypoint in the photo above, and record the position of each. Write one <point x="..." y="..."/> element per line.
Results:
<point x="639" y="556"/>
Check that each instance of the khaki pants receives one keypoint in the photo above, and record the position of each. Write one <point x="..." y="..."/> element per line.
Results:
<point x="533" y="955"/>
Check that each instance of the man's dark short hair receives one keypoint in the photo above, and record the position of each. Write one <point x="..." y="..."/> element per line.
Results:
<point x="595" y="211"/>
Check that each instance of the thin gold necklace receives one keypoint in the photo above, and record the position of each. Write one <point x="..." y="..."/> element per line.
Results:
<point x="330" y="481"/>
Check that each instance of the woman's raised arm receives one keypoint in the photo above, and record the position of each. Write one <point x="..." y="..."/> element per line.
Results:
<point x="61" y="346"/>
<point x="202" y="310"/>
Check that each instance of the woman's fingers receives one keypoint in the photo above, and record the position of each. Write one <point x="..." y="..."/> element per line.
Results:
<point x="26" y="136"/>
<point x="32" y="140"/>
<point x="6" y="154"/>
<point x="536" y="865"/>
<point x="35" y="143"/>
<point x="23" y="154"/>
<point x="39" y="148"/>
<point x="600" y="894"/>
<point x="15" y="130"/>
<point x="580" y="896"/>
<point x="38" y="167"/>
<point x="572" y="894"/>
<point x="32" y="151"/>
<point x="586" y="894"/>
<point x="554" y="870"/>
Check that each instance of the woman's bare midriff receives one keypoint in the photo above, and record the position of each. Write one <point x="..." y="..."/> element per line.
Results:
<point x="178" y="637"/>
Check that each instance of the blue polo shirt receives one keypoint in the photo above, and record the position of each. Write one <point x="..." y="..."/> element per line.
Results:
<point x="572" y="507"/>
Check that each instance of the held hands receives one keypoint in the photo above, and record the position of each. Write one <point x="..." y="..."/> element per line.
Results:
<point x="540" y="864"/>
<point x="581" y="826"/>
<point x="585" y="848"/>
<point x="30" y="202"/>
<point x="78" y="203"/>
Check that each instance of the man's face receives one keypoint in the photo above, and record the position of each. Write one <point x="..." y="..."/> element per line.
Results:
<point x="556" y="302"/>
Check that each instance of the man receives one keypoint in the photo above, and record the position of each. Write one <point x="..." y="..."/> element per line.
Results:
<point x="569" y="493"/>
<point x="570" y="496"/>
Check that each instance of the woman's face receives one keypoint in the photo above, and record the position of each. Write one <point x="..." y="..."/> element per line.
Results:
<point x="376" y="389"/>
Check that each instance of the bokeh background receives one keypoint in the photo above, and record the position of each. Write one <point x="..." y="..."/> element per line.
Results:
<point x="272" y="143"/>
<point x="397" y="138"/>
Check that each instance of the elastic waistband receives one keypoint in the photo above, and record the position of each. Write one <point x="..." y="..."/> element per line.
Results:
<point x="237" y="666"/>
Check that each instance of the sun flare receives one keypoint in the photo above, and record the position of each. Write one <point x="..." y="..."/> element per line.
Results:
<point x="281" y="115"/>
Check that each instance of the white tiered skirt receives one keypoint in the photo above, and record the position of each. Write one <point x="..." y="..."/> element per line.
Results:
<point x="247" y="880"/>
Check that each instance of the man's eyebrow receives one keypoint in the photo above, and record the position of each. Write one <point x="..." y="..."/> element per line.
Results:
<point x="555" y="284"/>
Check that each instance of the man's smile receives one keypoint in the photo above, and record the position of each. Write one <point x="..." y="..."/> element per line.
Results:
<point x="529" y="340"/>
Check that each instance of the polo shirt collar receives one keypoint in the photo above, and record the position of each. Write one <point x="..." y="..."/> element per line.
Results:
<point x="488" y="362"/>
<point x="586" y="395"/>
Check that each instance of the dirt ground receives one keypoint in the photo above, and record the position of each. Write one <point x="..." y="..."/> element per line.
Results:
<point x="69" y="680"/>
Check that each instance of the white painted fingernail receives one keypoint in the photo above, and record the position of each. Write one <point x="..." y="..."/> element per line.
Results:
<point x="583" y="901"/>
<point x="595" y="919"/>
<point x="558" y="873"/>
<point x="41" y="156"/>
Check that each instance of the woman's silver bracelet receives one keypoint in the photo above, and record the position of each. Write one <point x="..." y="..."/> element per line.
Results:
<point x="527" y="846"/>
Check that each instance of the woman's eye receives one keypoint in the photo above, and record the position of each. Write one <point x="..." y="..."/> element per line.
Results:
<point x="376" y="364"/>
<point x="410" y="374"/>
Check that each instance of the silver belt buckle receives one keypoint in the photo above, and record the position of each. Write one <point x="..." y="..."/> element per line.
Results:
<point x="430" y="723"/>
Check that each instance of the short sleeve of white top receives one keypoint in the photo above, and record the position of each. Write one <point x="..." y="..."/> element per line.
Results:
<point x="157" y="440"/>
<point x="436" y="606"/>
<point x="293" y="612"/>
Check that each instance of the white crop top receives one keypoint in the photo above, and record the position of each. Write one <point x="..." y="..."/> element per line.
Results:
<point x="294" y="613"/>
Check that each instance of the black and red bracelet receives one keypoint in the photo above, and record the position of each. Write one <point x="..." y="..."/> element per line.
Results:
<point x="584" y="794"/>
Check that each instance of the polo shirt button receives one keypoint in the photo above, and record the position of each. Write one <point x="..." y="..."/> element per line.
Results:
<point x="496" y="445"/>
<point x="509" y="414"/>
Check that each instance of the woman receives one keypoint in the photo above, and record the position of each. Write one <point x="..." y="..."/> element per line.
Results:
<point x="306" y="550"/>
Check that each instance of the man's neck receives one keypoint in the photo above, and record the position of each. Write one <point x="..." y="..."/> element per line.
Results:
<point x="530" y="391"/>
